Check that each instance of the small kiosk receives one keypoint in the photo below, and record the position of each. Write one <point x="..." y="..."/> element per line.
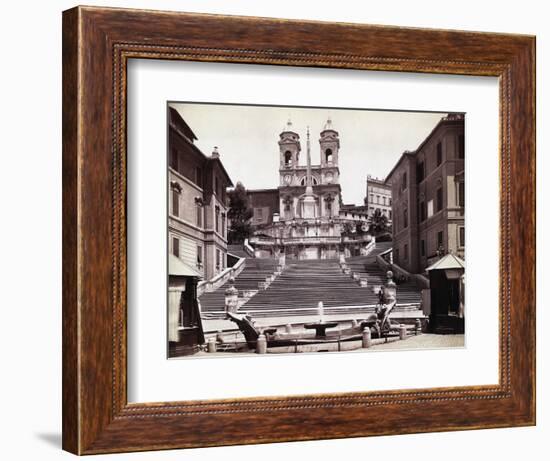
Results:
<point x="185" y="334"/>
<point x="447" y="295"/>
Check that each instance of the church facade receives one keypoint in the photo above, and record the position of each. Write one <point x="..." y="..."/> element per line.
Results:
<point x="303" y="217"/>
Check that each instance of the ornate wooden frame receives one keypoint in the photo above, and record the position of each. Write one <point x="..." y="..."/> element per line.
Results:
<point x="97" y="43"/>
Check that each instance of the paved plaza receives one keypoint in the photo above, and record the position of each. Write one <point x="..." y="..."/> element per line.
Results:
<point x="424" y="341"/>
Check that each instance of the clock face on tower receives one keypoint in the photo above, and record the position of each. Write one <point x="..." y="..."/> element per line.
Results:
<point x="329" y="177"/>
<point x="287" y="178"/>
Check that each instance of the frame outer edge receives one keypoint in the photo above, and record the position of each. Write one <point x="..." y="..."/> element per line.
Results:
<point x="70" y="189"/>
<point x="90" y="423"/>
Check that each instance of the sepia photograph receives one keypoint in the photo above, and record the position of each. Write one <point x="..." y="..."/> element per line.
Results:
<point x="313" y="229"/>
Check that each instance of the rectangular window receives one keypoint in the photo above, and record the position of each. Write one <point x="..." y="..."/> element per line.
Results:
<point x="176" y="246"/>
<point x="420" y="172"/>
<point x="218" y="259"/>
<point x="422" y="211"/>
<point x="430" y="209"/>
<point x="175" y="202"/>
<point x="223" y="224"/>
<point x="439" y="199"/>
<point x="460" y="146"/>
<point x="405" y="218"/>
<point x="439" y="153"/>
<point x="461" y="194"/>
<point x="199" y="215"/>
<point x="199" y="256"/>
<point x="440" y="240"/>
<point x="198" y="176"/>
<point x="422" y="248"/>
<point x="217" y="219"/>
<point x="404" y="181"/>
<point x="461" y="237"/>
<point x="174" y="158"/>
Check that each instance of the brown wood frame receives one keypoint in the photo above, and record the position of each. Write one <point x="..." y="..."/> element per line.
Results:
<point x="97" y="43"/>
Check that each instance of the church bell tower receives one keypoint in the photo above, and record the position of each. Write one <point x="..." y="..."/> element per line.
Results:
<point x="289" y="147"/>
<point x="330" y="145"/>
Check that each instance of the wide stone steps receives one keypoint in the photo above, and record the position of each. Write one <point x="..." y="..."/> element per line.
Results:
<point x="352" y="311"/>
<point x="303" y="283"/>
<point x="237" y="250"/>
<point x="255" y="270"/>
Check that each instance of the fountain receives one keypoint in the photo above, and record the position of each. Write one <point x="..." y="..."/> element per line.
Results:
<point x="320" y="326"/>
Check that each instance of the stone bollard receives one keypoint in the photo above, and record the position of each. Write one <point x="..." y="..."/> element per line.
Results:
<point x="212" y="345"/>
<point x="402" y="331"/>
<point x="219" y="336"/>
<point x="417" y="327"/>
<point x="354" y="323"/>
<point x="367" y="340"/>
<point x="288" y="328"/>
<point x="261" y="344"/>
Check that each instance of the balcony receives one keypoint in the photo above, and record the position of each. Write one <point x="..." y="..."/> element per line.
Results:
<point x="314" y="240"/>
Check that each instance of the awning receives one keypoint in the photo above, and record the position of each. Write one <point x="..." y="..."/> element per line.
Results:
<point x="177" y="267"/>
<point x="449" y="261"/>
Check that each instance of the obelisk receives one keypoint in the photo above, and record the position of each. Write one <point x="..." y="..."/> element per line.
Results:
<point x="308" y="202"/>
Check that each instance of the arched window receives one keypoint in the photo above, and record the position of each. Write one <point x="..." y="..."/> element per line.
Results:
<point x="328" y="155"/>
<point x="288" y="158"/>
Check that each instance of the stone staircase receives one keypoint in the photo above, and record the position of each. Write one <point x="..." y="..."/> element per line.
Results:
<point x="303" y="283"/>
<point x="367" y="267"/>
<point x="298" y="290"/>
<point x="237" y="250"/>
<point x="255" y="271"/>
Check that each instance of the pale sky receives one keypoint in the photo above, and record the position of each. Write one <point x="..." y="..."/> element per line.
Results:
<point x="371" y="141"/>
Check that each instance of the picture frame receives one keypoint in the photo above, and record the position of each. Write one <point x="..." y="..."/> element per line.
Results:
<point x="97" y="44"/>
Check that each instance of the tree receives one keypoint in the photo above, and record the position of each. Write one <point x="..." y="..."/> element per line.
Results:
<point x="239" y="215"/>
<point x="378" y="223"/>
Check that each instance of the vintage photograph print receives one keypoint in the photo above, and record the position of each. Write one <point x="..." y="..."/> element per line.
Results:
<point x="312" y="229"/>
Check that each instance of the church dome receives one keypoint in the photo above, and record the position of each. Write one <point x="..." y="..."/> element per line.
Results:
<point x="288" y="128"/>
<point x="328" y="125"/>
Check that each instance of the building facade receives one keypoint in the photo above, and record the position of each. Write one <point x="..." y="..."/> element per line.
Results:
<point x="303" y="218"/>
<point x="379" y="197"/>
<point x="428" y="198"/>
<point x="197" y="217"/>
